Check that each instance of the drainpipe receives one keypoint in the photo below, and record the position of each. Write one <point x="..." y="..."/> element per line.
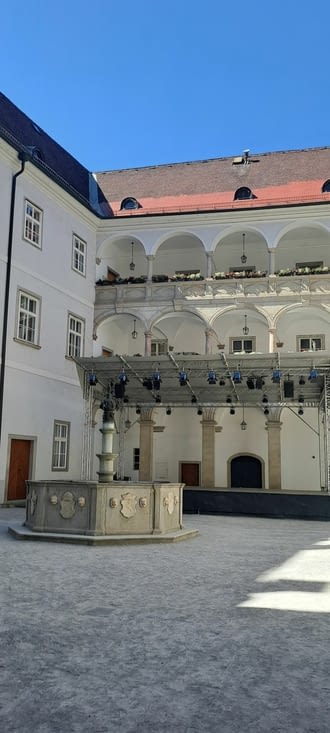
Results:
<point x="23" y="158"/>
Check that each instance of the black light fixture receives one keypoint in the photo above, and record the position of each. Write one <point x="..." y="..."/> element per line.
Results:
<point x="243" y="423"/>
<point x="300" y="411"/>
<point x="259" y="383"/>
<point x="132" y="263"/>
<point x="199" y="411"/>
<point x="250" y="383"/>
<point x="245" y="328"/>
<point x="302" y="380"/>
<point x="243" y="257"/>
<point x="266" y="411"/>
<point x="222" y="382"/>
<point x="194" y="399"/>
<point x="265" y="398"/>
<point x="138" y="410"/>
<point x="158" y="398"/>
<point x="228" y="400"/>
<point x="301" y="398"/>
<point x="232" y="411"/>
<point x="134" y="332"/>
<point x="168" y="411"/>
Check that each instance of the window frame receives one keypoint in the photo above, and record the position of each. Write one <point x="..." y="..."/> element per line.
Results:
<point x="34" y="223"/>
<point x="81" y="336"/>
<point x="66" y="441"/>
<point x="30" y="314"/>
<point x="157" y="343"/>
<point x="136" y="459"/>
<point x="242" y="339"/>
<point x="76" y="252"/>
<point x="250" y="195"/>
<point x="310" y="337"/>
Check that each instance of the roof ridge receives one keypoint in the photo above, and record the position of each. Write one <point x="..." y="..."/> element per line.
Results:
<point x="211" y="160"/>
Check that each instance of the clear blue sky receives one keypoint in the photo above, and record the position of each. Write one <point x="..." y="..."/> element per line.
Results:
<point x="125" y="84"/>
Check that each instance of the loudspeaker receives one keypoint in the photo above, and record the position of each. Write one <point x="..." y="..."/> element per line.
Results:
<point x="288" y="388"/>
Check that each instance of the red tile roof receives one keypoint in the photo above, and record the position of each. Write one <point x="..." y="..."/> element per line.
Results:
<point x="279" y="178"/>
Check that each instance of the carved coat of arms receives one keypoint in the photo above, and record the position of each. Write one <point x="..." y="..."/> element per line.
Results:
<point x="67" y="505"/>
<point x="128" y="505"/>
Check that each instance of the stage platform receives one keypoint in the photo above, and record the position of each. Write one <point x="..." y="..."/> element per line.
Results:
<point x="257" y="502"/>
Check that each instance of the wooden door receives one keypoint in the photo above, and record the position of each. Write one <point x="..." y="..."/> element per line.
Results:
<point x="190" y="474"/>
<point x="19" y="468"/>
<point x="246" y="473"/>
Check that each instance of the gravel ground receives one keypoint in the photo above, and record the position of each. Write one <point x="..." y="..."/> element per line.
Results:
<point x="227" y="632"/>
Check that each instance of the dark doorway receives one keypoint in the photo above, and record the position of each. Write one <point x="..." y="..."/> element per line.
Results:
<point x="246" y="473"/>
<point x="19" y="468"/>
<point x="190" y="474"/>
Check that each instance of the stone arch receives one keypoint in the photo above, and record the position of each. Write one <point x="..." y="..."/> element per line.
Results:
<point x="312" y="320"/>
<point x="308" y="223"/>
<point x="238" y="241"/>
<point x="185" y="330"/>
<point x="114" y="332"/>
<point x="231" y="322"/>
<point x="171" y="249"/>
<point x="116" y="253"/>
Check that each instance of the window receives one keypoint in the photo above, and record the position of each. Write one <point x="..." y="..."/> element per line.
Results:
<point x="243" y="346"/>
<point x="136" y="459"/>
<point x="79" y="255"/>
<point x="243" y="193"/>
<point x="326" y="186"/>
<point x="76" y="328"/>
<point x="28" y="318"/>
<point x="32" y="224"/>
<point x="311" y="343"/>
<point x="60" y="460"/>
<point x="158" y="347"/>
<point x="130" y="203"/>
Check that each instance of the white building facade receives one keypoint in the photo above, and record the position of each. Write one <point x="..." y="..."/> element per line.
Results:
<point x="184" y="268"/>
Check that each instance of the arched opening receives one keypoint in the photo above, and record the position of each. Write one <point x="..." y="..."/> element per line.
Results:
<point x="245" y="472"/>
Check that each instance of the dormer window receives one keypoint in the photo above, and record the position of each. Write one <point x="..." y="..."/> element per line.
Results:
<point x="243" y="193"/>
<point x="326" y="186"/>
<point x="130" y="203"/>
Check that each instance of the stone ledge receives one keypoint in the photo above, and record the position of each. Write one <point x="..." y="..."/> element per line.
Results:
<point x="20" y="532"/>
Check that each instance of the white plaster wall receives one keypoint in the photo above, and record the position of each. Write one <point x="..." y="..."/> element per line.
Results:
<point x="300" y="451"/>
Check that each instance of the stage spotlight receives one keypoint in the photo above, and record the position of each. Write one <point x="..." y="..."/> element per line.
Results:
<point x="237" y="376"/>
<point x="250" y="383"/>
<point x="313" y="374"/>
<point x="265" y="398"/>
<point x="123" y="378"/>
<point x="222" y="382"/>
<point x="228" y="400"/>
<point x="193" y="399"/>
<point x="125" y="399"/>
<point x="300" y="411"/>
<point x="232" y="411"/>
<point x="147" y="383"/>
<point x="156" y="380"/>
<point x="183" y="378"/>
<point x="266" y="411"/>
<point x="276" y="377"/>
<point x="158" y="398"/>
<point x="168" y="411"/>
<point x="212" y="377"/>
<point x="301" y="398"/>
<point x="302" y="380"/>
<point x="92" y="379"/>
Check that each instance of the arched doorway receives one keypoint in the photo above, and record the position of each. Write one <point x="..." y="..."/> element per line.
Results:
<point x="245" y="472"/>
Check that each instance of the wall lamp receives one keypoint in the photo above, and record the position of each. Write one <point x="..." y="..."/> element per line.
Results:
<point x="245" y="328"/>
<point x="243" y="423"/>
<point x="134" y="332"/>
<point x="168" y="411"/>
<point x="132" y="263"/>
<point x="243" y="257"/>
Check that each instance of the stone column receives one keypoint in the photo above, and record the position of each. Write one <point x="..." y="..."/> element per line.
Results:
<point x="273" y="428"/>
<point x="209" y="263"/>
<point x="271" y="261"/>
<point x="208" y="424"/>
<point x="147" y="343"/>
<point x="150" y="259"/>
<point x="146" y="444"/>
<point x="107" y="457"/>
<point x="208" y="334"/>
<point x="272" y="336"/>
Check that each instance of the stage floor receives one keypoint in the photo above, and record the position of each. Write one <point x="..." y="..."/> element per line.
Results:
<point x="257" y="502"/>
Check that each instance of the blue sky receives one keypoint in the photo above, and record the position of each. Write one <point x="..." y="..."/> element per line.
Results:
<point x="125" y="84"/>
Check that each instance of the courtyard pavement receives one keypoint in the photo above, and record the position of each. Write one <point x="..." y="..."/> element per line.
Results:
<point x="228" y="632"/>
